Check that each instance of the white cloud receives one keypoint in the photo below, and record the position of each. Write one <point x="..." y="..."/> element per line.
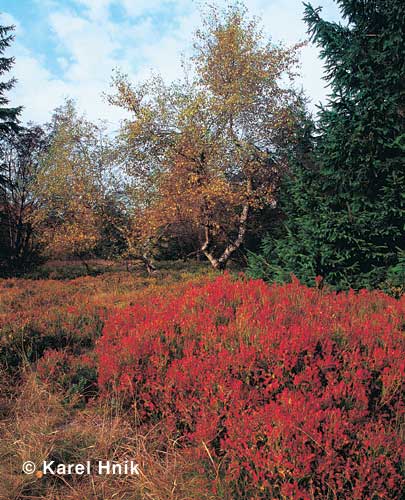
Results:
<point x="93" y="45"/>
<point x="135" y="8"/>
<point x="284" y="20"/>
<point x="9" y="20"/>
<point x="37" y="90"/>
<point x="84" y="79"/>
<point x="97" y="9"/>
<point x="90" y="46"/>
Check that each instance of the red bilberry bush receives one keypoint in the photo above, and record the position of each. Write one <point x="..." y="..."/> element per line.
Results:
<point x="283" y="390"/>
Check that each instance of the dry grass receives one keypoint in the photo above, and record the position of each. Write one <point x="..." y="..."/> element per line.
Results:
<point x="39" y="426"/>
<point x="27" y="433"/>
<point x="39" y="422"/>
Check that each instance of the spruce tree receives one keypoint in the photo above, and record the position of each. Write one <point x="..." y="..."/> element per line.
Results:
<point x="345" y="211"/>
<point x="8" y="116"/>
<point x="8" y="124"/>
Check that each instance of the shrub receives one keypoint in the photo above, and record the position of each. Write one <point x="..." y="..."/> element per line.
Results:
<point x="74" y="376"/>
<point x="291" y="392"/>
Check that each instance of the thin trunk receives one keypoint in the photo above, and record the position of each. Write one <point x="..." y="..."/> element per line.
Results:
<point x="232" y="247"/>
<point x="86" y="265"/>
<point x="148" y="263"/>
<point x="221" y="262"/>
<point x="205" y="248"/>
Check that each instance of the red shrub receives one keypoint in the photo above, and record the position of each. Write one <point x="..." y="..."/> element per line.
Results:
<point x="297" y="392"/>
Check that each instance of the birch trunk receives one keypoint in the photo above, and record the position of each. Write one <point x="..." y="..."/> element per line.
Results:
<point x="220" y="263"/>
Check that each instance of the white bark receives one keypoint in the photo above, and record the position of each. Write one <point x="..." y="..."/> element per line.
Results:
<point x="220" y="263"/>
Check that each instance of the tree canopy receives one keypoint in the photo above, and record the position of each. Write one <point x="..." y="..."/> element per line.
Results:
<point x="70" y="185"/>
<point x="210" y="148"/>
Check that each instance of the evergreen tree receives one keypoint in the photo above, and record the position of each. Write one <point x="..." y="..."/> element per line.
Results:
<point x="345" y="215"/>
<point x="8" y="116"/>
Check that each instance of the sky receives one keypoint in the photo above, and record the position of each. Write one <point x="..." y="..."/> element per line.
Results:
<point x="70" y="48"/>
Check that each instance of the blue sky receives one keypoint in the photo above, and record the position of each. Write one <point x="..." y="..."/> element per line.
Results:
<point x="69" y="48"/>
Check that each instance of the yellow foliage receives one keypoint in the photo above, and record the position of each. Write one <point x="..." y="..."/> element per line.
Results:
<point x="209" y="145"/>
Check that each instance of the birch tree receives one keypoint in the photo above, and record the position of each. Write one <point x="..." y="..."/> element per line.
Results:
<point x="209" y="149"/>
